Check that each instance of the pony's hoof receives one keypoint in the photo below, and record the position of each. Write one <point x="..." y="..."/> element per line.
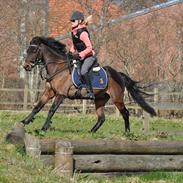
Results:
<point x="39" y="132"/>
<point x="23" y="122"/>
<point x="45" y="128"/>
<point x="126" y="133"/>
<point x="26" y="122"/>
<point x="92" y="131"/>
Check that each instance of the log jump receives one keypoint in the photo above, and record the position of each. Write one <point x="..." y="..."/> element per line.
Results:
<point x="106" y="156"/>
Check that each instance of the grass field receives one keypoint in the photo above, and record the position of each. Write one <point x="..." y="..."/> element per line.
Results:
<point x="16" y="167"/>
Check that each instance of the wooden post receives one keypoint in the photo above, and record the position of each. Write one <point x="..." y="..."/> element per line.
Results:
<point x="25" y="96"/>
<point x="155" y="95"/>
<point x="146" y="122"/>
<point x="64" y="159"/>
<point x="117" y="113"/>
<point x="32" y="146"/>
<point x="84" y="106"/>
<point x="156" y="98"/>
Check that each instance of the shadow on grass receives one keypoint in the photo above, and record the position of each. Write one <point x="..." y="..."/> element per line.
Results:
<point x="68" y="130"/>
<point x="39" y="132"/>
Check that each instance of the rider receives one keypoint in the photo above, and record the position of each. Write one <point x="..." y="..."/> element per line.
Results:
<point x="82" y="48"/>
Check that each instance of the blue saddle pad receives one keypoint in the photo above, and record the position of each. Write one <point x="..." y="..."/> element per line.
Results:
<point x="99" y="79"/>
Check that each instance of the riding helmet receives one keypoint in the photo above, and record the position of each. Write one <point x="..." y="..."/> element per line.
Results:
<point x="77" y="15"/>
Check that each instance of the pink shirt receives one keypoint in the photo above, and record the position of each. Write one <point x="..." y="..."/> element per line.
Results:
<point x="85" y="38"/>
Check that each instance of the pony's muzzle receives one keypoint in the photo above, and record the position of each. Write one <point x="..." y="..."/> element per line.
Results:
<point x="28" y="66"/>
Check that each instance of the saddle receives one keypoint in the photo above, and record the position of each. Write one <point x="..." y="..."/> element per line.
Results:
<point x="97" y="74"/>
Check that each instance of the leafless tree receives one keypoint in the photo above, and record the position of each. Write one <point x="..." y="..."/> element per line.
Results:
<point x="20" y="21"/>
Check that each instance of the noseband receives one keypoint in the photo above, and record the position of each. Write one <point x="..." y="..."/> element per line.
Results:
<point x="37" y="60"/>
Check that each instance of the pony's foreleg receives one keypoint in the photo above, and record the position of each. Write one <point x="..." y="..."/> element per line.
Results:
<point x="99" y="105"/>
<point x="35" y="110"/>
<point x="58" y="100"/>
<point x="47" y="95"/>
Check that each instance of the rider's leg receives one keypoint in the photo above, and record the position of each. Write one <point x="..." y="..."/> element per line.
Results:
<point x="87" y="63"/>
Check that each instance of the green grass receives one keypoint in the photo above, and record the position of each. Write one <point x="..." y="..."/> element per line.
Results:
<point x="16" y="167"/>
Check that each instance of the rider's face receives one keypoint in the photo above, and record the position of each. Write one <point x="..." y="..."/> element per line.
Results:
<point x="75" y="23"/>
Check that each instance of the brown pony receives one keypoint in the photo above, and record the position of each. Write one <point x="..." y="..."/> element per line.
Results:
<point x="52" y="55"/>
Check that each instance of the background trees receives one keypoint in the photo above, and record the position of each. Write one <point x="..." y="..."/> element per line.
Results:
<point x="147" y="47"/>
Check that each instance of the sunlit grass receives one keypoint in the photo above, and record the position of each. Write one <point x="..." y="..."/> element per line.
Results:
<point x="16" y="167"/>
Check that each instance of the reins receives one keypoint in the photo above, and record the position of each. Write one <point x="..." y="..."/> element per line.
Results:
<point x="49" y="78"/>
<point x="45" y="66"/>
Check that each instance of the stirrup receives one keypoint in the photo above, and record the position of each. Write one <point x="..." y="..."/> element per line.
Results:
<point x="90" y="95"/>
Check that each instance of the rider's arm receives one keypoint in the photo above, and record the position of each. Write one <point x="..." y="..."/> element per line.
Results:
<point x="85" y="38"/>
<point x="72" y="49"/>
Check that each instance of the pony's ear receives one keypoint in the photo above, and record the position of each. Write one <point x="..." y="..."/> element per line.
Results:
<point x="88" y="20"/>
<point x="36" y="40"/>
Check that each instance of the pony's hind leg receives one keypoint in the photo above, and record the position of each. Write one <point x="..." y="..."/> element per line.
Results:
<point x="125" y="113"/>
<point x="58" y="100"/>
<point x="116" y="93"/>
<point x="99" y="106"/>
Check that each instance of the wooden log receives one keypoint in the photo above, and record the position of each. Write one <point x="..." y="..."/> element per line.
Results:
<point x="48" y="146"/>
<point x="117" y="147"/>
<point x="122" y="163"/>
<point x="64" y="159"/>
<point x="48" y="160"/>
<point x="17" y="135"/>
<point x="129" y="163"/>
<point x="32" y="146"/>
<point x="111" y="174"/>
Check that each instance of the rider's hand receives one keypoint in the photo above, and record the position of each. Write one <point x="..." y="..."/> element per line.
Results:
<point x="76" y="56"/>
<point x="69" y="53"/>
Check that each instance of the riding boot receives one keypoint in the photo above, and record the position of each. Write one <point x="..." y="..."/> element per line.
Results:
<point x="89" y="88"/>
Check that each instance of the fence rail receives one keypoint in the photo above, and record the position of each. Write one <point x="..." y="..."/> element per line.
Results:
<point x="25" y="104"/>
<point x="165" y="108"/>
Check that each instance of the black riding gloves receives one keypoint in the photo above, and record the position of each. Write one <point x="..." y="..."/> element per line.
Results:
<point x="76" y="56"/>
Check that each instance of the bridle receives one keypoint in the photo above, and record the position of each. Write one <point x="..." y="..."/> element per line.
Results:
<point x="37" y="61"/>
<point x="44" y="66"/>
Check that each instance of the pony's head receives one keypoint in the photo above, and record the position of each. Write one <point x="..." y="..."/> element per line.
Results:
<point x="33" y="54"/>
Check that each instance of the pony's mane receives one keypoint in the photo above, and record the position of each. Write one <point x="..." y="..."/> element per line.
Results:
<point x="57" y="46"/>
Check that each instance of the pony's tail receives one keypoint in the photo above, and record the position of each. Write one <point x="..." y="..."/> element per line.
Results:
<point x="88" y="20"/>
<point x="132" y="88"/>
<point x="136" y="93"/>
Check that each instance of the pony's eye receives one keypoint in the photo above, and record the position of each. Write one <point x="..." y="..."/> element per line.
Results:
<point x="34" y="50"/>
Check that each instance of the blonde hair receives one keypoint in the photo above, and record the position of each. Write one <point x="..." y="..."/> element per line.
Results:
<point x="88" y="20"/>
